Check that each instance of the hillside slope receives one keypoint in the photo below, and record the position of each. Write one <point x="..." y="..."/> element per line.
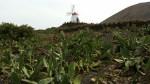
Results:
<point x="140" y="12"/>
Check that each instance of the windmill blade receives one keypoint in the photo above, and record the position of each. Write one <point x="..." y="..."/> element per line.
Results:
<point x="73" y="8"/>
<point x="69" y="13"/>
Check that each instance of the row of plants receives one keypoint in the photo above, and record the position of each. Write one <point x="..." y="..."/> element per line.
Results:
<point x="61" y="64"/>
<point x="68" y="60"/>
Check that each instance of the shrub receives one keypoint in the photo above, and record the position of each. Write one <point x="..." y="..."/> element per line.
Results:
<point x="9" y="31"/>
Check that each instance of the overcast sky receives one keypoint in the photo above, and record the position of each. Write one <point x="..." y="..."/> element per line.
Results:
<point x="43" y="14"/>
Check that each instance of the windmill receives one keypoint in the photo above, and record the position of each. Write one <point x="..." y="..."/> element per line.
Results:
<point x="74" y="15"/>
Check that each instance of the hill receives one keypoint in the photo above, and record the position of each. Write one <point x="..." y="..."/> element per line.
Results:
<point x="137" y="12"/>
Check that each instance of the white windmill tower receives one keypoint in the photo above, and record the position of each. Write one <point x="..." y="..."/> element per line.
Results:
<point x="74" y="15"/>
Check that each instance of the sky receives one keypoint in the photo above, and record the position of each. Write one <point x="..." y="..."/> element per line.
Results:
<point x="42" y="14"/>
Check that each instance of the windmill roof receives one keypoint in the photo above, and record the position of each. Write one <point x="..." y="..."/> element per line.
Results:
<point x="74" y="13"/>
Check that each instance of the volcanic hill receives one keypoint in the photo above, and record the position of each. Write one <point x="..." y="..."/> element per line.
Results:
<point x="137" y="12"/>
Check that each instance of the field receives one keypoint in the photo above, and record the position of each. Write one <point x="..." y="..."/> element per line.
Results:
<point x="110" y="55"/>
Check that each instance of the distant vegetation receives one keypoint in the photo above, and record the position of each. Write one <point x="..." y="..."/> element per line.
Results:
<point x="9" y="31"/>
<point x="75" y="54"/>
<point x="71" y="27"/>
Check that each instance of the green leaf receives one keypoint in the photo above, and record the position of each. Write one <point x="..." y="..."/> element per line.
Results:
<point x="45" y="81"/>
<point x="77" y="80"/>
<point x="147" y="65"/>
<point x="71" y="69"/>
<point x="124" y="52"/>
<point x="29" y="81"/>
<point x="15" y="79"/>
<point x="45" y="62"/>
<point x="65" y="79"/>
<point x="145" y="39"/>
<point x="25" y="72"/>
<point x="119" y="60"/>
<point x="96" y="64"/>
<point x="128" y="63"/>
<point x="81" y="63"/>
